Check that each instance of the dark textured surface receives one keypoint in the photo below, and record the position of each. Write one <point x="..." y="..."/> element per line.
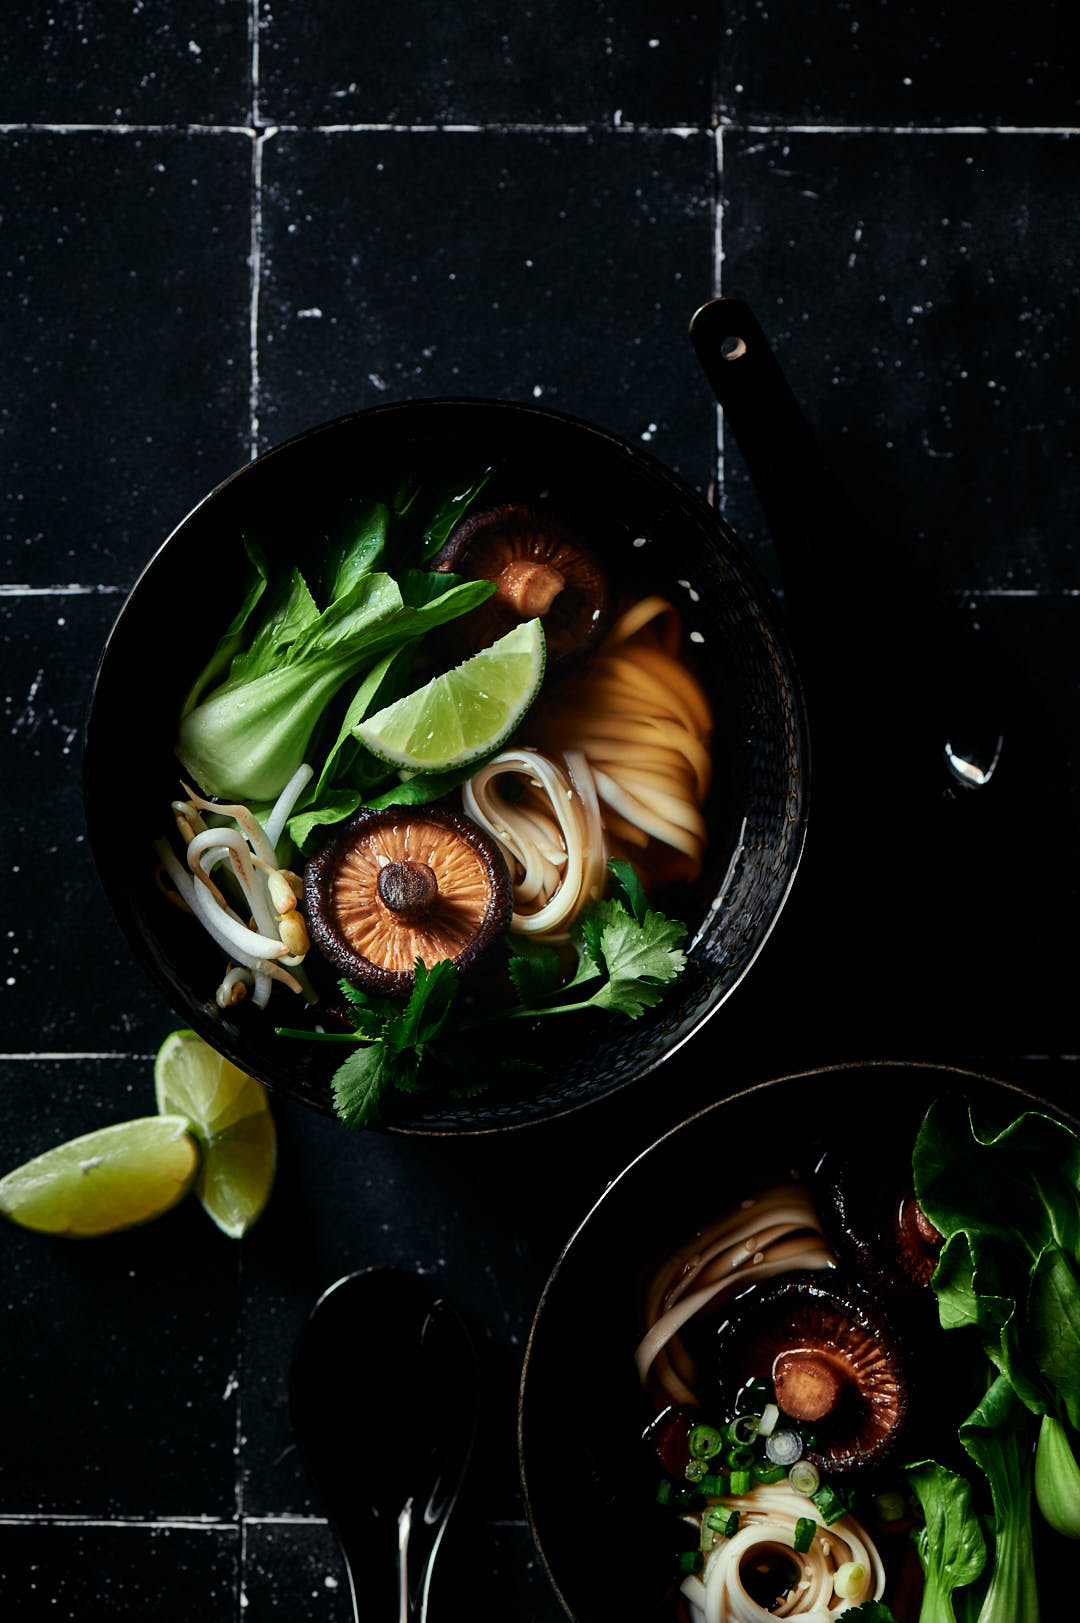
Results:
<point x="225" y="224"/>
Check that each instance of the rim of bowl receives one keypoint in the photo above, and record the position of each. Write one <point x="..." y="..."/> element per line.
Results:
<point x="764" y="602"/>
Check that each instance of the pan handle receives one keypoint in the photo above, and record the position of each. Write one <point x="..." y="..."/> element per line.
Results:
<point x="795" y="485"/>
<point x="845" y="590"/>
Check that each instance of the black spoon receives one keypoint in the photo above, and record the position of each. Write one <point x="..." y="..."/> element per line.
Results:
<point x="382" y="1393"/>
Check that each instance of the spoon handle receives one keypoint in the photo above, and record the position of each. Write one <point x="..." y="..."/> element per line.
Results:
<point x="405" y="1611"/>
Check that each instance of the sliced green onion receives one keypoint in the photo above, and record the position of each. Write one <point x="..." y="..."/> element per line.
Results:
<point x="715" y="1485"/>
<point x="691" y="1561"/>
<point x="769" y="1416"/>
<point x="740" y="1457"/>
<point x="828" y="1501"/>
<point x="805" y="1478"/>
<point x="849" y="1579"/>
<point x="725" y="1522"/>
<point x="784" y="1447"/>
<point x="809" y="1438"/>
<point x="694" y="1470"/>
<point x="767" y="1474"/>
<point x="664" y="1491"/>
<point x="687" y="1499"/>
<point x="704" y="1442"/>
<point x="744" y="1428"/>
<point x="707" y="1539"/>
<point x="891" y="1506"/>
<point x="805" y="1528"/>
<point x="741" y="1482"/>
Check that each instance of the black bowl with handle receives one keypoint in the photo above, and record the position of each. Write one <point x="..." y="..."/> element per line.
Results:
<point x="589" y="1479"/>
<point x="659" y="536"/>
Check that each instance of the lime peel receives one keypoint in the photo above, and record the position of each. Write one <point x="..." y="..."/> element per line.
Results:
<point x="230" y="1116"/>
<point x="114" y="1178"/>
<point x="464" y="714"/>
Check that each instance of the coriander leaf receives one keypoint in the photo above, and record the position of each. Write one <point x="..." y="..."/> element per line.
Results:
<point x="629" y="888"/>
<point x="591" y="923"/>
<point x="434" y="994"/>
<point x="640" y="960"/>
<point x="535" y="969"/>
<point x="361" y="1083"/>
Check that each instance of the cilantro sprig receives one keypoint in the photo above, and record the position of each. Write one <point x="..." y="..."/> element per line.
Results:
<point x="626" y="955"/>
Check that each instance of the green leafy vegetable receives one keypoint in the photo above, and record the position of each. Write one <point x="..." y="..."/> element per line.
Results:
<point x="628" y="888"/>
<point x="232" y="639"/>
<point x="632" y="961"/>
<point x="999" y="1436"/>
<point x="871" y="1611"/>
<point x="1008" y="1203"/>
<point x="950" y="1545"/>
<point x="247" y="738"/>
<point x="395" y="1037"/>
<point x="535" y="969"/>
<point x="430" y="515"/>
<point x="1057" y="1478"/>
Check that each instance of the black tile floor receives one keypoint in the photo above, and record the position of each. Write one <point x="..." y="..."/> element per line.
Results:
<point x="228" y="222"/>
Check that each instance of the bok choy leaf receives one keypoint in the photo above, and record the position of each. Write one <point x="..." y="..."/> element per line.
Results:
<point x="245" y="740"/>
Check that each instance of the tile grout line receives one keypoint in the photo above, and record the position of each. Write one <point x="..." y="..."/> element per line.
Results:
<point x="195" y="1524"/>
<point x="683" y="131"/>
<point x="255" y="239"/>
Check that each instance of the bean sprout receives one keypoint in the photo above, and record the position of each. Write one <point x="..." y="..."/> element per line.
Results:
<point x="274" y="935"/>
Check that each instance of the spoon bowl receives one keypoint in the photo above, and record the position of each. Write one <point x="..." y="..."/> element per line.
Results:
<point x="383" y="1399"/>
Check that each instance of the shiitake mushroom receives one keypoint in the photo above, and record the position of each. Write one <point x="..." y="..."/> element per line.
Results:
<point x="875" y="1223"/>
<point x="541" y="568"/>
<point x="406" y="883"/>
<point x="833" y="1361"/>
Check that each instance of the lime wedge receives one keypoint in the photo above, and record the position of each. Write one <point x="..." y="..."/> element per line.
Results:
<point x="230" y="1116"/>
<point x="465" y="714"/>
<point x="110" y="1179"/>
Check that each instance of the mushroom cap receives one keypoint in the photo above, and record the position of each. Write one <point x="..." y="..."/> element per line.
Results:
<point x="876" y="1224"/>
<point x="404" y="883"/>
<point x="831" y="1356"/>
<point x="541" y="568"/>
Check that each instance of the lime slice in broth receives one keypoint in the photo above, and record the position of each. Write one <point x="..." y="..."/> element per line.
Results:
<point x="107" y="1180"/>
<point x="466" y="713"/>
<point x="230" y="1116"/>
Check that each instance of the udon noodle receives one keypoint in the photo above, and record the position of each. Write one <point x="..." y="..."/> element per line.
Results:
<point x="767" y="1520"/>
<point x="552" y="838"/>
<point x="617" y="763"/>
<point x="770" y="1233"/>
<point x="642" y="721"/>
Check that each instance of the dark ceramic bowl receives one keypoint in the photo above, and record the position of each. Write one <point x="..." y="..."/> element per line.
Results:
<point x="589" y="1482"/>
<point x="291" y="499"/>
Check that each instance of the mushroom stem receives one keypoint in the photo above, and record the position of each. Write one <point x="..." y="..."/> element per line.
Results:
<point x="408" y="889"/>
<point x="808" y="1386"/>
<point x="528" y="587"/>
